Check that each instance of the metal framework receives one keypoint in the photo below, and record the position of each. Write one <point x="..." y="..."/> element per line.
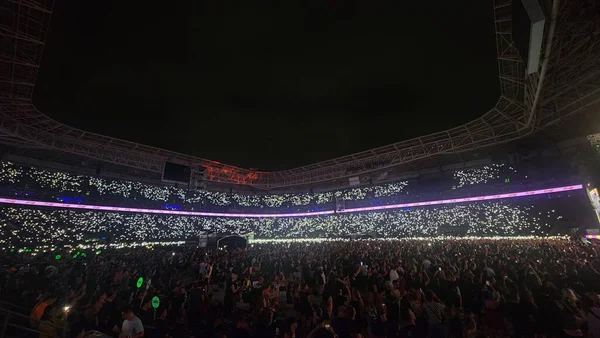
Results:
<point x="573" y="77"/>
<point x="568" y="82"/>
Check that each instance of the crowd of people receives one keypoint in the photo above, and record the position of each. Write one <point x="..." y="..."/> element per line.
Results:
<point x="542" y="215"/>
<point x="26" y="182"/>
<point x="368" y="288"/>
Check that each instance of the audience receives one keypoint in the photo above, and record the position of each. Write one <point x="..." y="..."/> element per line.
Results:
<point x="375" y="288"/>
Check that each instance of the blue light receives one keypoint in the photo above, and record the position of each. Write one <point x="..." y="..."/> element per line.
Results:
<point x="171" y="207"/>
<point x="67" y="199"/>
<point x="25" y="193"/>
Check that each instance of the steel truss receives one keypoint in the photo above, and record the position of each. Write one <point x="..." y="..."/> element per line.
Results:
<point x="572" y="84"/>
<point x="573" y="78"/>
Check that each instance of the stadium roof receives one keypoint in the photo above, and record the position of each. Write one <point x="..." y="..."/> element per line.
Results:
<point x="567" y="82"/>
<point x="268" y="87"/>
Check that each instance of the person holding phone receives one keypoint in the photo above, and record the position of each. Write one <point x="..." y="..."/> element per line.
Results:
<point x="51" y="321"/>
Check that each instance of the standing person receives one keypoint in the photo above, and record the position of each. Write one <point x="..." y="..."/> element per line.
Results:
<point x="231" y="293"/>
<point x="377" y="316"/>
<point x="51" y="322"/>
<point x="290" y="328"/>
<point x="146" y="313"/>
<point x="39" y="309"/>
<point x="592" y="308"/>
<point x="572" y="317"/>
<point x="434" y="310"/>
<point x="407" y="321"/>
<point x="344" y="325"/>
<point x="394" y="273"/>
<point x="132" y="326"/>
<point x="359" y="306"/>
<point x="393" y="313"/>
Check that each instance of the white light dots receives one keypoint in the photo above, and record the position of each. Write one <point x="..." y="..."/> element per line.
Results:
<point x="30" y="226"/>
<point x="476" y="176"/>
<point x="95" y="187"/>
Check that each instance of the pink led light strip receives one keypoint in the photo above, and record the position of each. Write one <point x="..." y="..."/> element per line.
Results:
<point x="155" y="211"/>
<point x="302" y="214"/>
<point x="470" y="199"/>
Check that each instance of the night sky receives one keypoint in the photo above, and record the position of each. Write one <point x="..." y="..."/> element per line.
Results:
<point x="268" y="85"/>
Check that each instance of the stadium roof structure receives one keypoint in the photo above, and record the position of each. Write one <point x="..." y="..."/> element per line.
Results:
<point x="567" y="82"/>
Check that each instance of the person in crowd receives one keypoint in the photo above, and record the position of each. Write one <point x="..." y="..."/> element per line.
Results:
<point x="407" y="321"/>
<point x="40" y="308"/>
<point x="344" y="324"/>
<point x="591" y="306"/>
<point x="51" y="321"/>
<point x="291" y="328"/>
<point x="132" y="326"/>
<point x="434" y="312"/>
<point x="232" y="291"/>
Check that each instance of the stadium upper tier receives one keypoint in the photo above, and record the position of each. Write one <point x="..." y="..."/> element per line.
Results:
<point x="81" y="207"/>
<point x="28" y="183"/>
<point x="567" y="82"/>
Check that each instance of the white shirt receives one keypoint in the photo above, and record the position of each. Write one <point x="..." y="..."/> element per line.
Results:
<point x="132" y="327"/>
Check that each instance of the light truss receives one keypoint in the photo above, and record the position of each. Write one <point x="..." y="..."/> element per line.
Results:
<point x="23" y="27"/>
<point x="571" y="85"/>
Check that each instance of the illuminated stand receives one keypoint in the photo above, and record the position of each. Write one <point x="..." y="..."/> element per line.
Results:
<point x="594" y="200"/>
<point x="209" y="239"/>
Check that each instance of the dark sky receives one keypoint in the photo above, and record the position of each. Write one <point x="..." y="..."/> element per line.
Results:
<point x="268" y="85"/>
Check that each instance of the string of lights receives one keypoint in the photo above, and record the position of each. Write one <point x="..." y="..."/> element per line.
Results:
<point x="409" y="239"/>
<point x="170" y="211"/>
